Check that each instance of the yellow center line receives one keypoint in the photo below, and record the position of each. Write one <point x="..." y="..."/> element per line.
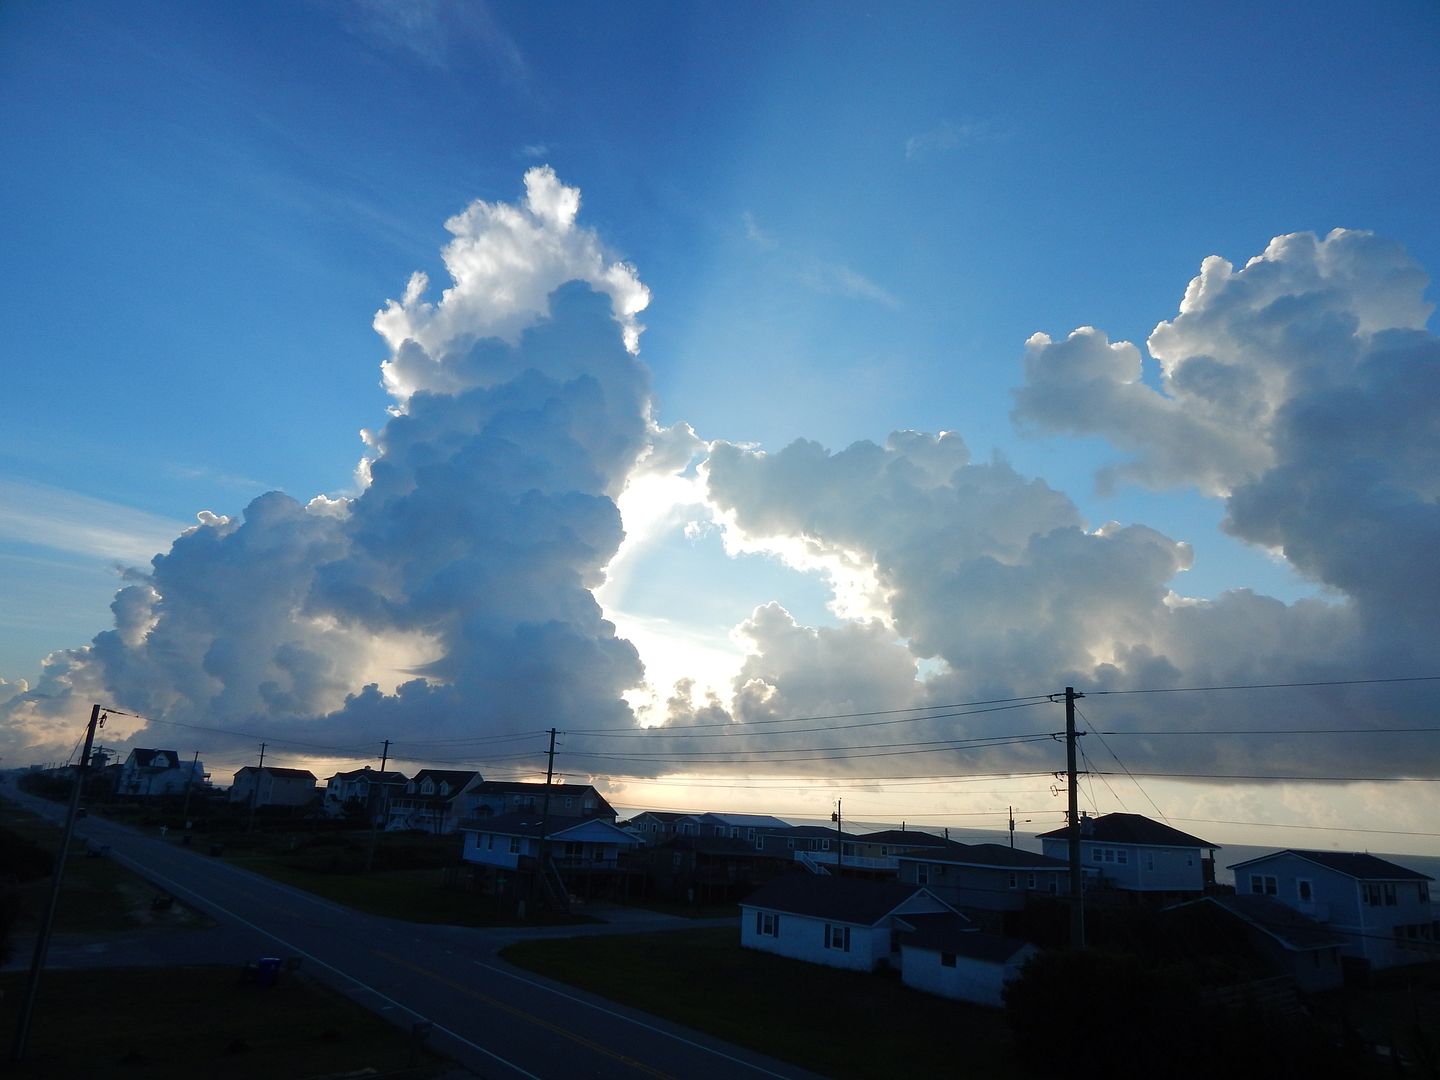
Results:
<point x="521" y="1014"/>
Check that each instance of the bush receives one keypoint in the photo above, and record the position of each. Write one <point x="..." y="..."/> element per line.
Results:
<point x="22" y="859"/>
<point x="1128" y="1017"/>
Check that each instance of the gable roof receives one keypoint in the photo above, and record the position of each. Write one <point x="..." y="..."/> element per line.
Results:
<point x="456" y="778"/>
<point x="1356" y="864"/>
<point x="1292" y="929"/>
<point x="524" y="787"/>
<point x="145" y="759"/>
<point x="291" y="774"/>
<point x="944" y="933"/>
<point x="389" y="776"/>
<point x="997" y="856"/>
<point x="846" y="900"/>
<point x="528" y="824"/>
<point x="1129" y="829"/>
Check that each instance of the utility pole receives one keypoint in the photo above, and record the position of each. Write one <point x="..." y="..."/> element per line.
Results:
<point x="839" y="836"/>
<point x="189" y="783"/>
<point x="1012" y="828"/>
<point x="370" y="805"/>
<point x="42" y="943"/>
<point x="545" y="808"/>
<point x="1077" y="878"/>
<point x="255" y="791"/>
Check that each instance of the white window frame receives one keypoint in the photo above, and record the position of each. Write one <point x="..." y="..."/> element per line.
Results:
<point x="837" y="937"/>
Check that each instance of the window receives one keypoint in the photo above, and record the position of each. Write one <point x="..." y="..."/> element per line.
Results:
<point x="514" y="845"/>
<point x="1264" y="884"/>
<point x="790" y="842"/>
<point x="490" y="842"/>
<point x="1030" y="880"/>
<point x="759" y="843"/>
<point x="1424" y="892"/>
<point x="824" y="845"/>
<point x="1122" y="856"/>
<point x="947" y="959"/>
<point x="1390" y="898"/>
<point x="427" y="788"/>
<point x="569" y="801"/>
<point x="837" y="937"/>
<point x="1304" y="890"/>
<point x="1097" y="855"/>
<point x="1149" y="860"/>
<point x="922" y="874"/>
<point x="767" y="924"/>
<point x="1014" y="880"/>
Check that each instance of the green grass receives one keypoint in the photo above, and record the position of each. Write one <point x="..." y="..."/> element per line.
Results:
<point x="97" y="895"/>
<point x="842" y="1024"/>
<point x="179" y="1023"/>
<point x="413" y="895"/>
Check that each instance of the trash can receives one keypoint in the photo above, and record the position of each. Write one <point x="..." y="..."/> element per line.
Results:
<point x="267" y="970"/>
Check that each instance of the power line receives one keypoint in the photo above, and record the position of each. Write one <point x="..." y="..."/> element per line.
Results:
<point x="1270" y="686"/>
<point x="1278" y="731"/>
<point x="738" y="729"/>
<point x="1036" y="699"/>
<point x="1299" y="779"/>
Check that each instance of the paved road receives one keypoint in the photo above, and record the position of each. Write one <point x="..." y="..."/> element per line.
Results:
<point x="498" y="1021"/>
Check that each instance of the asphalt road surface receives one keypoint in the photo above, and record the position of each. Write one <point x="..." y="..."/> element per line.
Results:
<point x="496" y="1020"/>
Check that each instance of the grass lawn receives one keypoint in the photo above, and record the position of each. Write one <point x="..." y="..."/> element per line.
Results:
<point x="186" y="1022"/>
<point x="98" y="895"/>
<point x="415" y="895"/>
<point x="839" y="1023"/>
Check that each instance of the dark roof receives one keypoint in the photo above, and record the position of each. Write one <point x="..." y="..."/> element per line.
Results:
<point x="295" y="774"/>
<point x="523" y="787"/>
<point x="996" y="855"/>
<point x="456" y="778"/>
<point x="1289" y="927"/>
<point x="1129" y="829"/>
<point x="846" y="900"/>
<point x="387" y="777"/>
<point x="902" y="838"/>
<point x="808" y="830"/>
<point x="146" y="758"/>
<point x="710" y="845"/>
<point x="1355" y="864"/>
<point x="527" y="823"/>
<point x="277" y="771"/>
<point x="952" y="937"/>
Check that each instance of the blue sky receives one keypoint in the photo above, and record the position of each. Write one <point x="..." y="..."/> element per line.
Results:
<point x="850" y="220"/>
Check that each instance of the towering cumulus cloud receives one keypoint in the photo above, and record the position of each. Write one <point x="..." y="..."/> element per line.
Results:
<point x="455" y="593"/>
<point x="1302" y="389"/>
<point x="455" y="589"/>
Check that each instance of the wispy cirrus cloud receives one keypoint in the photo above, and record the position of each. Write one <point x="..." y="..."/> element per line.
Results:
<point x="437" y="33"/>
<point x="51" y="517"/>
<point x="947" y="136"/>
<point x="839" y="279"/>
<point x="826" y="276"/>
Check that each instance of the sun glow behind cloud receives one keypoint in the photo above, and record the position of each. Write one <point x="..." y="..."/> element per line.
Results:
<point x="522" y="488"/>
